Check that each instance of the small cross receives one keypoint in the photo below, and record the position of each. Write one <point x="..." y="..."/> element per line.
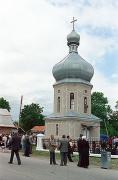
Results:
<point x="73" y="21"/>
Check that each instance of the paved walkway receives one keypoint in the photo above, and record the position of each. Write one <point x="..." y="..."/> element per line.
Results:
<point x="39" y="169"/>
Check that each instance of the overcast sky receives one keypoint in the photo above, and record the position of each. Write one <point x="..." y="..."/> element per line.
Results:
<point x="33" y="39"/>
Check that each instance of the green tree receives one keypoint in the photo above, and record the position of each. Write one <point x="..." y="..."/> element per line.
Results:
<point x="31" y="116"/>
<point x="113" y="122"/>
<point x="101" y="109"/>
<point x="116" y="106"/>
<point x="4" y="104"/>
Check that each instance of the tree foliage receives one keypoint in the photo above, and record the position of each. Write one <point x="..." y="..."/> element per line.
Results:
<point x="113" y="122"/>
<point x="31" y="116"/>
<point x="4" y="104"/>
<point x="101" y="109"/>
<point x="116" y="106"/>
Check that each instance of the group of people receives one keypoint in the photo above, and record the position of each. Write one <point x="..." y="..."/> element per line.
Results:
<point x="27" y="141"/>
<point x="4" y="141"/>
<point x="66" y="151"/>
<point x="65" y="147"/>
<point x="110" y="144"/>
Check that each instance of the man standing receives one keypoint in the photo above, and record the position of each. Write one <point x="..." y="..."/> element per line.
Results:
<point x="23" y="143"/>
<point x="52" y="147"/>
<point x="63" y="150"/>
<point x="15" y="146"/>
<point x="31" y="142"/>
<point x="79" y="147"/>
<point x="27" y="146"/>
<point x="70" y="149"/>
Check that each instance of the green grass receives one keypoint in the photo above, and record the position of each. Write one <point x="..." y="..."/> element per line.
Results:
<point x="40" y="153"/>
<point x="97" y="162"/>
<point x="43" y="154"/>
<point x="94" y="161"/>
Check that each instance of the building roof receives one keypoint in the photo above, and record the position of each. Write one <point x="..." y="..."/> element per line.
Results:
<point x="73" y="115"/>
<point x="73" y="66"/>
<point x="38" y="128"/>
<point x="73" y="80"/>
<point x="5" y="118"/>
<point x="73" y="37"/>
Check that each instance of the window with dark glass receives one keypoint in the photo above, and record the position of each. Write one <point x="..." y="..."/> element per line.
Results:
<point x="85" y="105"/>
<point x="72" y="101"/>
<point x="58" y="104"/>
<point x="73" y="47"/>
<point x="57" y="129"/>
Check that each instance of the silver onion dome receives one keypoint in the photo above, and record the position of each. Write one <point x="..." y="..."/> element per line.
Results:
<point x="73" y="37"/>
<point x="73" y="66"/>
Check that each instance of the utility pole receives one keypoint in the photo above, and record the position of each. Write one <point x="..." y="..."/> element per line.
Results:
<point x="21" y="101"/>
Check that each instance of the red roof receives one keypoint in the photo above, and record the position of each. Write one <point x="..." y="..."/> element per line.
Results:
<point x="38" y="128"/>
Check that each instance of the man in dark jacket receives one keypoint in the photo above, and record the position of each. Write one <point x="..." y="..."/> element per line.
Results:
<point x="15" y="146"/>
<point x="63" y="150"/>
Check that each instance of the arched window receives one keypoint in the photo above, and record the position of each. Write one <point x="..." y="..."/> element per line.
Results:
<point x="85" y="105"/>
<point x="58" y="104"/>
<point x="72" y="101"/>
<point x="57" y="129"/>
<point x="73" y="47"/>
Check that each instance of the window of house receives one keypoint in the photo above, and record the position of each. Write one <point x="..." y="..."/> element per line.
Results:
<point x="57" y="129"/>
<point x="73" y="47"/>
<point x="85" y="105"/>
<point x="72" y="101"/>
<point x="58" y="104"/>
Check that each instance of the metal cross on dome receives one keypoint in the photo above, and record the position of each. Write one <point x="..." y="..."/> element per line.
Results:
<point x="73" y="21"/>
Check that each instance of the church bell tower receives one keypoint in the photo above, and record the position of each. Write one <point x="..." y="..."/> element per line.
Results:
<point x="72" y="93"/>
<point x="72" y="90"/>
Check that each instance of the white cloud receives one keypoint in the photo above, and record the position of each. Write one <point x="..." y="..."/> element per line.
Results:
<point x="114" y="76"/>
<point x="102" y="84"/>
<point x="95" y="47"/>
